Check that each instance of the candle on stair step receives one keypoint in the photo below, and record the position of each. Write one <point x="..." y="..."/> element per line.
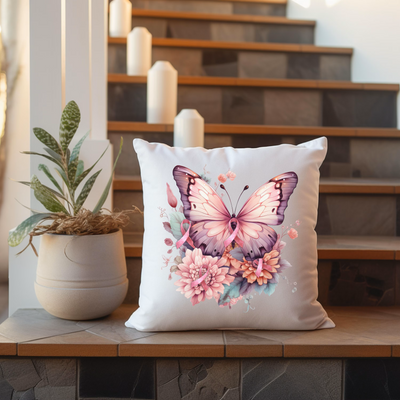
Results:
<point x="189" y="129"/>
<point x="120" y="18"/>
<point x="162" y="93"/>
<point x="138" y="52"/>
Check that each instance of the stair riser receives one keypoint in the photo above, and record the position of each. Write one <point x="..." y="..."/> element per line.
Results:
<point x="265" y="106"/>
<point x="339" y="214"/>
<point x="347" y="157"/>
<point x="226" y="31"/>
<point x="212" y="7"/>
<point x="242" y="64"/>
<point x="340" y="282"/>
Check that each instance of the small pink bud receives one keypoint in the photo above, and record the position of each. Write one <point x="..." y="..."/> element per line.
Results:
<point x="231" y="175"/>
<point x="293" y="233"/>
<point x="172" y="201"/>
<point x="168" y="242"/>
<point x="222" y="178"/>
<point x="297" y="222"/>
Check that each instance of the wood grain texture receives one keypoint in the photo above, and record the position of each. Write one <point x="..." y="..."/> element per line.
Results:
<point x="254" y="82"/>
<point x="233" y="129"/>
<point x="258" y="19"/>
<point x="251" y="46"/>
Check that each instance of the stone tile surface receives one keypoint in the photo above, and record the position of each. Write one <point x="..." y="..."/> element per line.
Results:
<point x="262" y="65"/>
<point x="359" y="108"/>
<point x="134" y="266"/>
<point x="198" y="379"/>
<point x="232" y="31"/>
<point x="303" y="66"/>
<point x="362" y="283"/>
<point x="214" y="141"/>
<point x="376" y="158"/>
<point x="116" y="58"/>
<point x="158" y="27"/>
<point x="209" y="7"/>
<point x="126" y="200"/>
<point x="205" y="99"/>
<point x="186" y="29"/>
<point x="372" y="379"/>
<point x="242" y="105"/>
<point x="297" y="379"/>
<point x="117" y="377"/>
<point x="292" y="107"/>
<point x="185" y="61"/>
<point x="284" y="34"/>
<point x="220" y="62"/>
<point x="259" y="9"/>
<point x="334" y="67"/>
<point x="127" y="102"/>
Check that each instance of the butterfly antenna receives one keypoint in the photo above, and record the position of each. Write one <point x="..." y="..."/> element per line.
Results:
<point x="244" y="189"/>
<point x="223" y="187"/>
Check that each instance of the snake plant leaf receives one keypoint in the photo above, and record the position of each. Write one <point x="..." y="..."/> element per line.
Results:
<point x="44" y="155"/>
<point x="77" y="148"/>
<point x="46" y="196"/>
<point x="84" y="174"/>
<point x="47" y="140"/>
<point x="17" y="235"/>
<point x="53" y="154"/>
<point x="47" y="172"/>
<point x="72" y="167"/>
<point x="85" y="191"/>
<point x="70" y="119"/>
<point x="103" y="197"/>
<point x="80" y="168"/>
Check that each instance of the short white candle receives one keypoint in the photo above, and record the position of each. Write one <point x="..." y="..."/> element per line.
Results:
<point x="162" y="93"/>
<point x="138" y="52"/>
<point x="120" y="18"/>
<point x="189" y="129"/>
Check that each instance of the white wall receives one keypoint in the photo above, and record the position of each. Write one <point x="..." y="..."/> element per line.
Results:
<point x="371" y="27"/>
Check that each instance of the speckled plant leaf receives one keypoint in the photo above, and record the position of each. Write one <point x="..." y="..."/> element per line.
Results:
<point x="17" y="235"/>
<point x="72" y="170"/>
<point x="52" y="159"/>
<point x="61" y="173"/>
<point x="60" y="195"/>
<point x="46" y="197"/>
<point x="85" y="191"/>
<point x="80" y="168"/>
<point x="47" y="140"/>
<point x="103" y="197"/>
<point x="47" y="172"/>
<point x="70" y="119"/>
<point x="53" y="154"/>
<point x="84" y="174"/>
<point x="77" y="148"/>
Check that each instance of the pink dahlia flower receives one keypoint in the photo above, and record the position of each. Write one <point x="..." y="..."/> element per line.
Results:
<point x="293" y="233"/>
<point x="195" y="266"/>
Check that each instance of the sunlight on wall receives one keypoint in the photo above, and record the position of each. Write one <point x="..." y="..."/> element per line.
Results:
<point x="331" y="3"/>
<point x="303" y="3"/>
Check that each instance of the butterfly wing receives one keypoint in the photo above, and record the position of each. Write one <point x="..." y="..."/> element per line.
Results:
<point x="204" y="209"/>
<point x="266" y="206"/>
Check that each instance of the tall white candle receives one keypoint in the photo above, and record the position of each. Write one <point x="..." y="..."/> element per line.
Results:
<point x="120" y="18"/>
<point x="138" y="52"/>
<point x="189" y="129"/>
<point x="162" y="93"/>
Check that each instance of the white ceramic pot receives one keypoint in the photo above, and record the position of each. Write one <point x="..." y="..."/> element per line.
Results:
<point x="81" y="277"/>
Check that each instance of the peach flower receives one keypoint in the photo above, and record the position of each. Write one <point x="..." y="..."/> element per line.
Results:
<point x="270" y="265"/>
<point x="222" y="178"/>
<point x="194" y="266"/>
<point x="230" y="261"/>
<point x="293" y="233"/>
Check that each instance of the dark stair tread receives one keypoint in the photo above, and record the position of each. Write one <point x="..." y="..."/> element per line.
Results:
<point x="253" y="46"/>
<point x="239" y="129"/>
<point x="256" y="82"/>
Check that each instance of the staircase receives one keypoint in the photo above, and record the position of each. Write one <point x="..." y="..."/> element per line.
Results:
<point x="258" y="80"/>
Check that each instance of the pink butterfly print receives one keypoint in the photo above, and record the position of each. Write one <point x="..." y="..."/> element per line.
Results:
<point x="212" y="223"/>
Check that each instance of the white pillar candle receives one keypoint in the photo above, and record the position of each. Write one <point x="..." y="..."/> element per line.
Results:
<point x="120" y="18"/>
<point x="138" y="52"/>
<point x="189" y="129"/>
<point x="162" y="93"/>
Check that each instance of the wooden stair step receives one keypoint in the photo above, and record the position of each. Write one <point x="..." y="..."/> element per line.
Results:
<point x="251" y="46"/>
<point x="258" y="19"/>
<point x="231" y="129"/>
<point x="252" y="82"/>
<point x="329" y="247"/>
<point x="327" y="185"/>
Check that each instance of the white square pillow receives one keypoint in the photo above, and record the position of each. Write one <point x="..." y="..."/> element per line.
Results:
<point x="229" y="238"/>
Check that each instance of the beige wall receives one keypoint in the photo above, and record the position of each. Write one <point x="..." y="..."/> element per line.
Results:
<point x="15" y="30"/>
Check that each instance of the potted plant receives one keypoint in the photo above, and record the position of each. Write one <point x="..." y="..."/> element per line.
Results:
<point x="81" y="271"/>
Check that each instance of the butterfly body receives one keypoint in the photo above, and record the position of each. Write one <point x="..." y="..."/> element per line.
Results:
<point x="213" y="225"/>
